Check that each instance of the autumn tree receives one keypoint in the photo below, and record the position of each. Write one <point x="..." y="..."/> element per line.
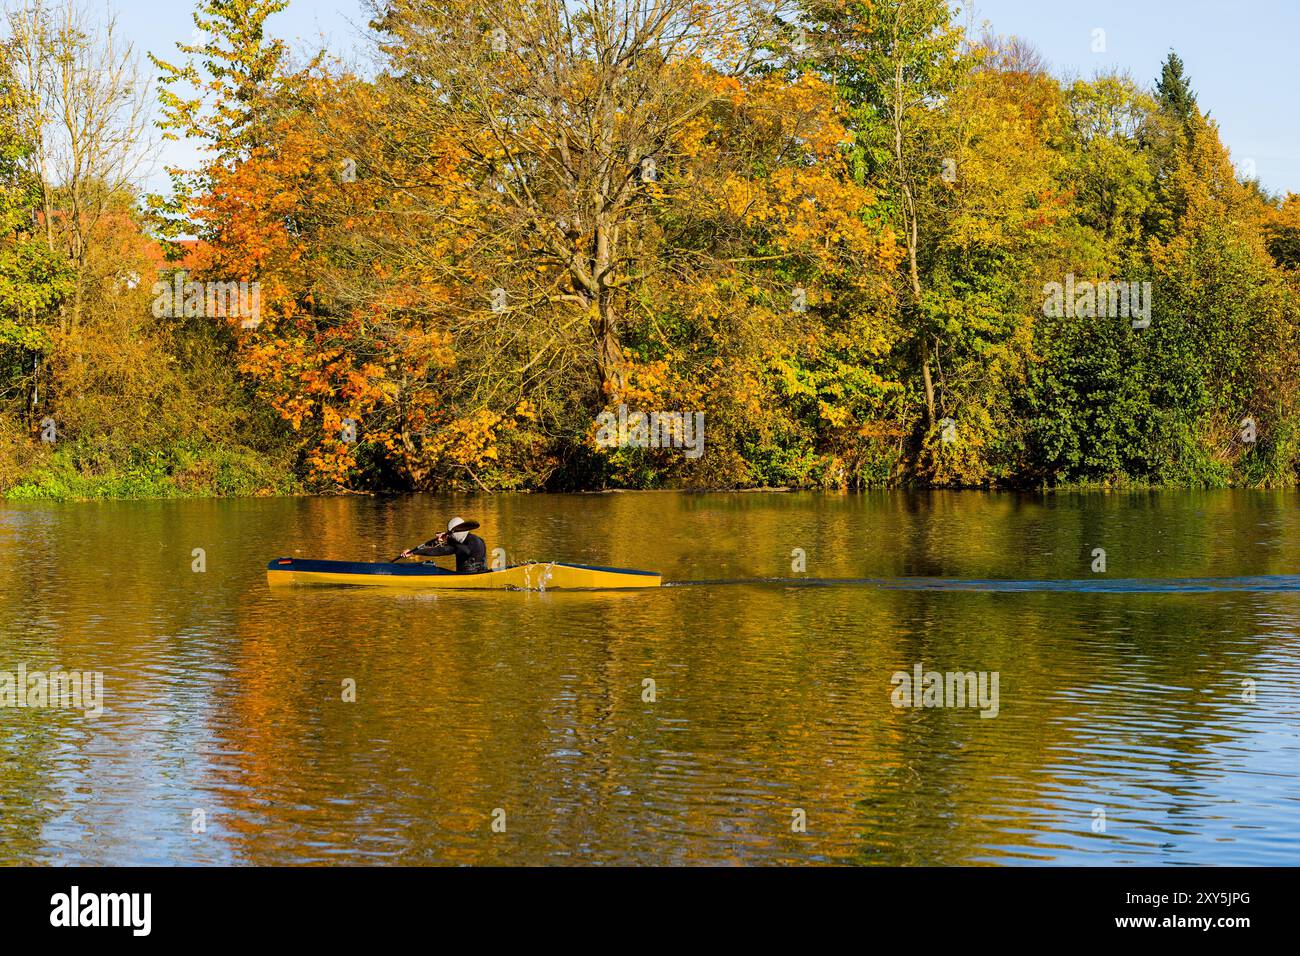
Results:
<point x="1000" y="219"/>
<point x="1282" y="231"/>
<point x="216" y="96"/>
<point x="563" y="116"/>
<point x="81" y="104"/>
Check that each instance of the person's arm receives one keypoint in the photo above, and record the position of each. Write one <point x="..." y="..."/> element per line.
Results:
<point x="436" y="548"/>
<point x="433" y="550"/>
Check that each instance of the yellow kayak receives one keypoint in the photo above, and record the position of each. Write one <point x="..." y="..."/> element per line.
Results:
<point x="534" y="576"/>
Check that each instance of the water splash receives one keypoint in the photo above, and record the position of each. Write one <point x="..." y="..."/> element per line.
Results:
<point x="544" y="575"/>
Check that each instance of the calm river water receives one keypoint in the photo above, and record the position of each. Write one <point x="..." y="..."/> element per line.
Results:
<point x="1135" y="723"/>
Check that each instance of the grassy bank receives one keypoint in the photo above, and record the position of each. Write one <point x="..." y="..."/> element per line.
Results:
<point x="79" y="473"/>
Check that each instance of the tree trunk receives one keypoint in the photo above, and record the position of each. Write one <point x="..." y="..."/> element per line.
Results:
<point x="928" y="381"/>
<point x="912" y="228"/>
<point x="610" y="362"/>
<point x="923" y="338"/>
<point x="610" y="365"/>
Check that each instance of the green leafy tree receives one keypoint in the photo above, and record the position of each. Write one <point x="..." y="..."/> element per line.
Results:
<point x="896" y="63"/>
<point x="34" y="277"/>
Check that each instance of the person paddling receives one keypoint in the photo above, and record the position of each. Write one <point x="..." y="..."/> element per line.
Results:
<point x="470" y="550"/>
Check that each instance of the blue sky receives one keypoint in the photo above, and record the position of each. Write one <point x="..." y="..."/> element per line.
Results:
<point x="1239" y="55"/>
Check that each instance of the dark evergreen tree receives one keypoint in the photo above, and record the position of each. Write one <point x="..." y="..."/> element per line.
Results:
<point x="1173" y="91"/>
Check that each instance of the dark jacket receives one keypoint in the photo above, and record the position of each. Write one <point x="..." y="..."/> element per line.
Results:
<point x="471" y="554"/>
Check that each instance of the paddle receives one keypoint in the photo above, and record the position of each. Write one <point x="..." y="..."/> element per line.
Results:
<point x="463" y="526"/>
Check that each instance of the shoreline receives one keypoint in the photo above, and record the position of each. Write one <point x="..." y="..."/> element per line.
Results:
<point x="8" y="497"/>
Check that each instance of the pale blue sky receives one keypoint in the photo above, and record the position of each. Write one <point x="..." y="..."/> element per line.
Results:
<point x="1240" y="55"/>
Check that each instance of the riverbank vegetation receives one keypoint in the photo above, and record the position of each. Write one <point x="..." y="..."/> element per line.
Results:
<point x="872" y="243"/>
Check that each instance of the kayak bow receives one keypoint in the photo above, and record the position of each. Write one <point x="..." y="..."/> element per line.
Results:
<point x="534" y="576"/>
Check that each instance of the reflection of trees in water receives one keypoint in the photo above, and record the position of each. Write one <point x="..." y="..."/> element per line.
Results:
<point x="225" y="696"/>
<point x="1102" y="696"/>
<point x="30" y="741"/>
